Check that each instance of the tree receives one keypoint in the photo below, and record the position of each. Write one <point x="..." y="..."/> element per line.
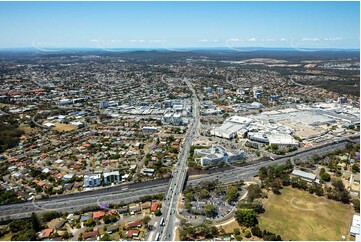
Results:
<point x="322" y="171"/>
<point x="24" y="235"/>
<point x="232" y="193"/>
<point x="257" y="206"/>
<point x="90" y="222"/>
<point x="146" y="220"/>
<point x="326" y="177"/>
<point x="35" y="225"/>
<point x="106" y="237"/>
<point x="158" y="213"/>
<point x="356" y="205"/>
<point x="38" y="189"/>
<point x="256" y="231"/>
<point x="203" y="193"/>
<point x="214" y="231"/>
<point x="236" y="231"/>
<point x="246" y="217"/>
<point x="254" y="191"/>
<point x="268" y="236"/>
<point x="338" y="185"/>
<point x="247" y="234"/>
<point x="355" y="168"/>
<point x="50" y="215"/>
<point x="238" y="237"/>
<point x="210" y="210"/>
<point x="19" y="225"/>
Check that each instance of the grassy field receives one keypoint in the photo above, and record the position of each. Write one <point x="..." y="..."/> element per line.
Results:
<point x="26" y="128"/>
<point x="6" y="237"/>
<point x="299" y="215"/>
<point x="63" y="127"/>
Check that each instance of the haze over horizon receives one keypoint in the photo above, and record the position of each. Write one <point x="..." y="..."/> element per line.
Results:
<point x="174" y="25"/>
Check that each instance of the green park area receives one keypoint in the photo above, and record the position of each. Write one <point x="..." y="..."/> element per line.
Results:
<point x="299" y="215"/>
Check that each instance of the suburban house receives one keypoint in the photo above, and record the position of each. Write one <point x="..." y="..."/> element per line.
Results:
<point x="98" y="215"/>
<point x="90" y="235"/>
<point x="134" y="208"/>
<point x="134" y="224"/>
<point x="146" y="205"/>
<point x="154" y="207"/>
<point x="132" y="233"/>
<point x="122" y="210"/>
<point x="112" y="228"/>
<point x="45" y="233"/>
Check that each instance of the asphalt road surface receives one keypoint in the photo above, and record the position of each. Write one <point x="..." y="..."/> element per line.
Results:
<point x="77" y="201"/>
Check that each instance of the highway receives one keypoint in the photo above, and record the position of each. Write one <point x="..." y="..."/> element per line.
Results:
<point x="126" y="193"/>
<point x="177" y="183"/>
<point x="247" y="171"/>
<point x="76" y="201"/>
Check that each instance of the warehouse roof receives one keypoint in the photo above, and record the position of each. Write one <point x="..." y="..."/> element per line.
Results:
<point x="303" y="174"/>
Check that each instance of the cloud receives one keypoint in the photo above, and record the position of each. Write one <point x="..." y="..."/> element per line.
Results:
<point x="251" y="39"/>
<point x="116" y="41"/>
<point x="268" y="40"/>
<point x="332" y="39"/>
<point x="234" y="40"/>
<point x="156" y="41"/>
<point x="310" y="39"/>
<point x="94" y="40"/>
<point x="137" y="40"/>
<point x="208" y="40"/>
<point x="283" y="39"/>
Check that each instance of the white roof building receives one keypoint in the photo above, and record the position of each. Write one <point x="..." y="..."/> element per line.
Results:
<point x="282" y="139"/>
<point x="111" y="177"/>
<point x="92" y="180"/>
<point x="355" y="226"/>
<point x="304" y="175"/>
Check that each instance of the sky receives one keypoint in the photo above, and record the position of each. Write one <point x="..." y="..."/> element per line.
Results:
<point x="172" y="25"/>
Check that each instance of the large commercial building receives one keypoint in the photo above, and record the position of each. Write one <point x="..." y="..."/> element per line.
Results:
<point x="111" y="177"/>
<point x="92" y="180"/>
<point x="231" y="126"/>
<point x="217" y="155"/>
<point x="282" y="140"/>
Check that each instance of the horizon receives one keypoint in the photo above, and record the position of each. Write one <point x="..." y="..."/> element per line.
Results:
<point x="182" y="49"/>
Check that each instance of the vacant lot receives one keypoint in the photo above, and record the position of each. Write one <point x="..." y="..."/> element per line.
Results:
<point x="299" y="215"/>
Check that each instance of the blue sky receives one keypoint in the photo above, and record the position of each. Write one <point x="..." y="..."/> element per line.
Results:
<point x="179" y="24"/>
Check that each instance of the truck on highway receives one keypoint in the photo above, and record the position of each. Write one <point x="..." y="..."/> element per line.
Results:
<point x="162" y="221"/>
<point x="157" y="237"/>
